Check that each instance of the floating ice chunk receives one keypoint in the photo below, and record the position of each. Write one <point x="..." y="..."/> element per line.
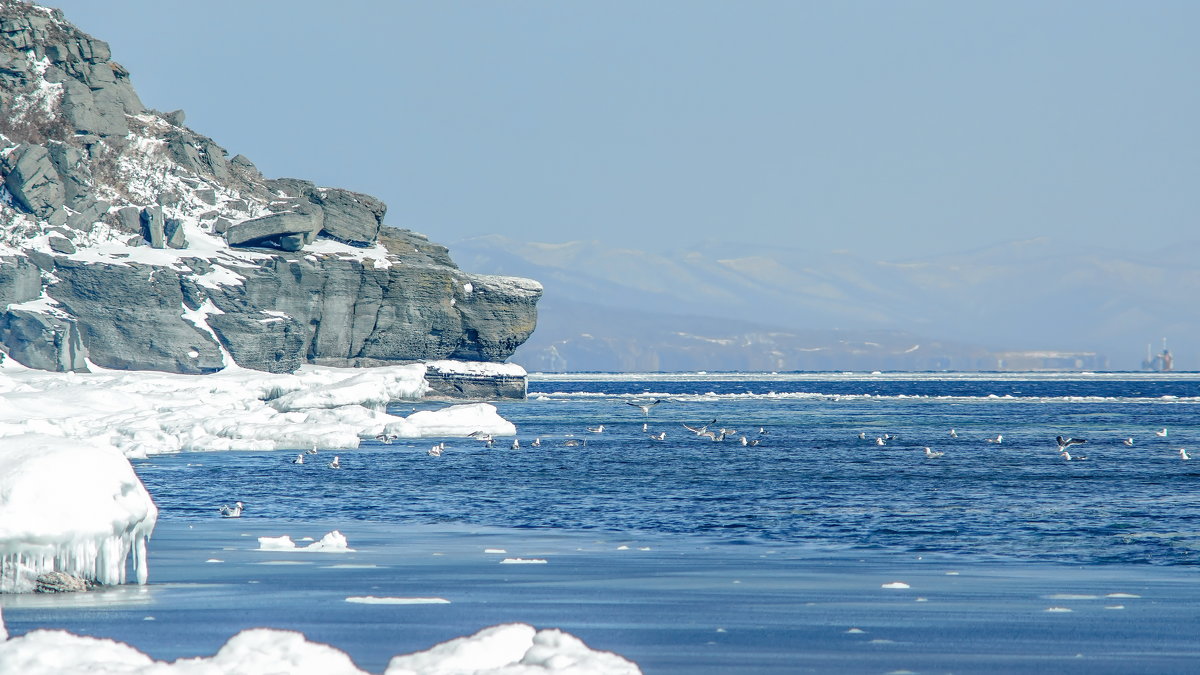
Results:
<point x="1070" y="596"/>
<point x="334" y="542"/>
<point x="523" y="561"/>
<point x="1122" y="595"/>
<point x="1059" y="609"/>
<point x="459" y="420"/>
<point x="1114" y="607"/>
<point x="896" y="584"/>
<point x="855" y="631"/>
<point x="494" y="550"/>
<point x="506" y="648"/>
<point x="372" y="600"/>
<point x="71" y="506"/>
<point x="283" y="543"/>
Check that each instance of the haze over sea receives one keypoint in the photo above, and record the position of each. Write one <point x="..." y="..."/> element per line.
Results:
<point x="813" y="551"/>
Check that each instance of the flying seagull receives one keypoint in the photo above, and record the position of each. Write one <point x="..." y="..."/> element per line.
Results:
<point x="1064" y="443"/>
<point x="646" y="406"/>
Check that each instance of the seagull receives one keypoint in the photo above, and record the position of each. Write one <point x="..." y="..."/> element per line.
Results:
<point x="1183" y="454"/>
<point x="1064" y="443"/>
<point x="596" y="430"/>
<point x="313" y="451"/>
<point x="879" y="441"/>
<point x="745" y="441"/>
<point x="646" y="406"/>
<point x="1128" y="441"/>
<point x="571" y="443"/>
<point x="1161" y="434"/>
<point x="235" y="512"/>
<point x="335" y="464"/>
<point x="953" y="433"/>
<point x="699" y="431"/>
<point x="645" y="427"/>
<point x="1067" y="456"/>
<point x="537" y="442"/>
<point x="661" y="436"/>
<point x="762" y="431"/>
<point x="931" y="454"/>
<point x="862" y="435"/>
<point x="755" y="442"/>
<point x="516" y="445"/>
<point x="999" y="438"/>
<point x="436" y="451"/>
<point x="480" y="436"/>
<point x="299" y="459"/>
<point x="383" y="438"/>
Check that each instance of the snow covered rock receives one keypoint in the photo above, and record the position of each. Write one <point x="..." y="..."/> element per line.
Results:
<point x="167" y="255"/>
<point x="70" y="506"/>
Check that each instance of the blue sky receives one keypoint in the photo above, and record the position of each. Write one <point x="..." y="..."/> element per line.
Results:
<point x="890" y="129"/>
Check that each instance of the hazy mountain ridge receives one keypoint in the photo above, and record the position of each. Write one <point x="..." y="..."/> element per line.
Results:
<point x="1022" y="295"/>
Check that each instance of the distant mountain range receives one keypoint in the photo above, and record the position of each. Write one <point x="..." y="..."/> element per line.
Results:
<point x="725" y="306"/>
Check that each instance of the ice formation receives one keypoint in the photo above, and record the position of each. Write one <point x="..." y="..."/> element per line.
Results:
<point x="72" y="506"/>
<point x="146" y="413"/>
<point x="509" y="649"/>
<point x="333" y="542"/>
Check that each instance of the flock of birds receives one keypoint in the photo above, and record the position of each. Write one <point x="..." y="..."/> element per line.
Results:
<point x="1063" y="444"/>
<point x="708" y="431"/>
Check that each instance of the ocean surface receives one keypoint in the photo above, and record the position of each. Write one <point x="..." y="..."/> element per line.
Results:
<point x="808" y="549"/>
<point x="810" y="479"/>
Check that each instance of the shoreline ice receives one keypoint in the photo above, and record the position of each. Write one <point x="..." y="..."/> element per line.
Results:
<point x="146" y="413"/>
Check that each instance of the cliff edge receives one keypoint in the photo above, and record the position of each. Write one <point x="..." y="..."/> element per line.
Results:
<point x="129" y="241"/>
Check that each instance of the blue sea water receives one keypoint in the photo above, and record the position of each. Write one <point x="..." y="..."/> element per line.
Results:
<point x="694" y="556"/>
<point x="811" y="479"/>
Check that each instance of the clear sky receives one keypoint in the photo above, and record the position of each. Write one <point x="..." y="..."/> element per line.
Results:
<point x="890" y="129"/>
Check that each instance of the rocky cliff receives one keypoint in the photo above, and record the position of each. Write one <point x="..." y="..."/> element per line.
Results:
<point x="129" y="241"/>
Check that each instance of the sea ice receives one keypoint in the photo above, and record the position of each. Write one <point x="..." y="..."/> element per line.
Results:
<point x="509" y="649"/>
<point x="70" y="506"/>
<point x="334" y="542"/>
<point x="148" y="413"/>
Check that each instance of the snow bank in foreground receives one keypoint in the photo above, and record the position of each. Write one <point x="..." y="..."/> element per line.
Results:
<point x="72" y="506"/>
<point x="146" y="413"/>
<point x="510" y="649"/>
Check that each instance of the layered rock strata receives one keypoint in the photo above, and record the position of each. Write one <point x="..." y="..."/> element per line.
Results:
<point x="129" y="241"/>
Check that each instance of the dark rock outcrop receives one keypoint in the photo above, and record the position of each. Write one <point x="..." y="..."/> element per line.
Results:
<point x="136" y="243"/>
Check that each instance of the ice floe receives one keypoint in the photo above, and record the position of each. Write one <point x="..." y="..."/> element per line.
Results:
<point x="511" y="649"/>
<point x="147" y="413"/>
<point x="74" y="507"/>
<point x="334" y="542"/>
<point x="372" y="600"/>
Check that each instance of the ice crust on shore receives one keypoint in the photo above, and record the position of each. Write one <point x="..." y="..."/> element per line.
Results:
<point x="146" y="413"/>
<point x="70" y="506"/>
<point x="508" y="649"/>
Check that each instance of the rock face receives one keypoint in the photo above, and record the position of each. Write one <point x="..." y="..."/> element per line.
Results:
<point x="132" y="242"/>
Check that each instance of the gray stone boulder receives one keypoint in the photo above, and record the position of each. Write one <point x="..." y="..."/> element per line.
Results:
<point x="262" y="341"/>
<point x="153" y="226"/>
<point x="33" y="181"/>
<point x="270" y="230"/>
<point x="61" y="582"/>
<point x="101" y="113"/>
<point x="350" y="217"/>
<point x="132" y="317"/>
<point x="173" y="233"/>
<point x="42" y="340"/>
